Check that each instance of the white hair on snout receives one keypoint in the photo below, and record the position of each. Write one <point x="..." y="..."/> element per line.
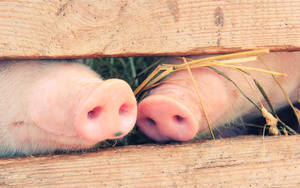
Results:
<point x="231" y="124"/>
<point x="35" y="141"/>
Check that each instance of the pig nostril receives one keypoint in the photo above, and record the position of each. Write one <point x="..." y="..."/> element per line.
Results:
<point x="150" y="121"/>
<point x="94" y="113"/>
<point x="179" y="118"/>
<point x="123" y="109"/>
<point x="118" y="133"/>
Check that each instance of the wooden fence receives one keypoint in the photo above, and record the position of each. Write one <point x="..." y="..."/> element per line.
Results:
<point x="34" y="29"/>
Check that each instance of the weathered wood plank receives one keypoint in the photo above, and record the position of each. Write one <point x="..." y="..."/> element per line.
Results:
<point x="238" y="162"/>
<point x="85" y="28"/>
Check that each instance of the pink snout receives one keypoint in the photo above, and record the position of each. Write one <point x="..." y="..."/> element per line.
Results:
<point x="108" y="112"/>
<point x="163" y="118"/>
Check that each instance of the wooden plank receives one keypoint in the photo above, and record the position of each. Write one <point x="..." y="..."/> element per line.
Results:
<point x="87" y="28"/>
<point x="237" y="162"/>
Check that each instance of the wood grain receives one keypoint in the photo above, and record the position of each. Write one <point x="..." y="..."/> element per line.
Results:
<point x="88" y="28"/>
<point x="237" y="162"/>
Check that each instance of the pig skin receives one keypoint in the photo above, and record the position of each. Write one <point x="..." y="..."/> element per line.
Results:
<point x="44" y="106"/>
<point x="172" y="110"/>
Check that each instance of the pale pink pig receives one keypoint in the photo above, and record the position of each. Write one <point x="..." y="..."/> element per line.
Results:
<point x="45" y="106"/>
<point x="172" y="110"/>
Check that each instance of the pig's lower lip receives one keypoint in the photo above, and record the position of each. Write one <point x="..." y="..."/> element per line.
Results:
<point x="61" y="141"/>
<point x="40" y="141"/>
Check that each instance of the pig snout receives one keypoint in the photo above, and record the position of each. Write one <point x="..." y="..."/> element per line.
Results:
<point x="164" y="118"/>
<point x="109" y="112"/>
<point x="173" y="110"/>
<point x="90" y="109"/>
<point x="48" y="106"/>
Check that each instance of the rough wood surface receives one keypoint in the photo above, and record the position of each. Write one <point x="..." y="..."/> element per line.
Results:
<point x="86" y="28"/>
<point x="238" y="162"/>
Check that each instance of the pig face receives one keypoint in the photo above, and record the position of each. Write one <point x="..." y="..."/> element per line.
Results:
<point x="173" y="111"/>
<point x="45" y="106"/>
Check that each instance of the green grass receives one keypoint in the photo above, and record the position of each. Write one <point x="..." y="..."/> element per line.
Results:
<point x="130" y="69"/>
